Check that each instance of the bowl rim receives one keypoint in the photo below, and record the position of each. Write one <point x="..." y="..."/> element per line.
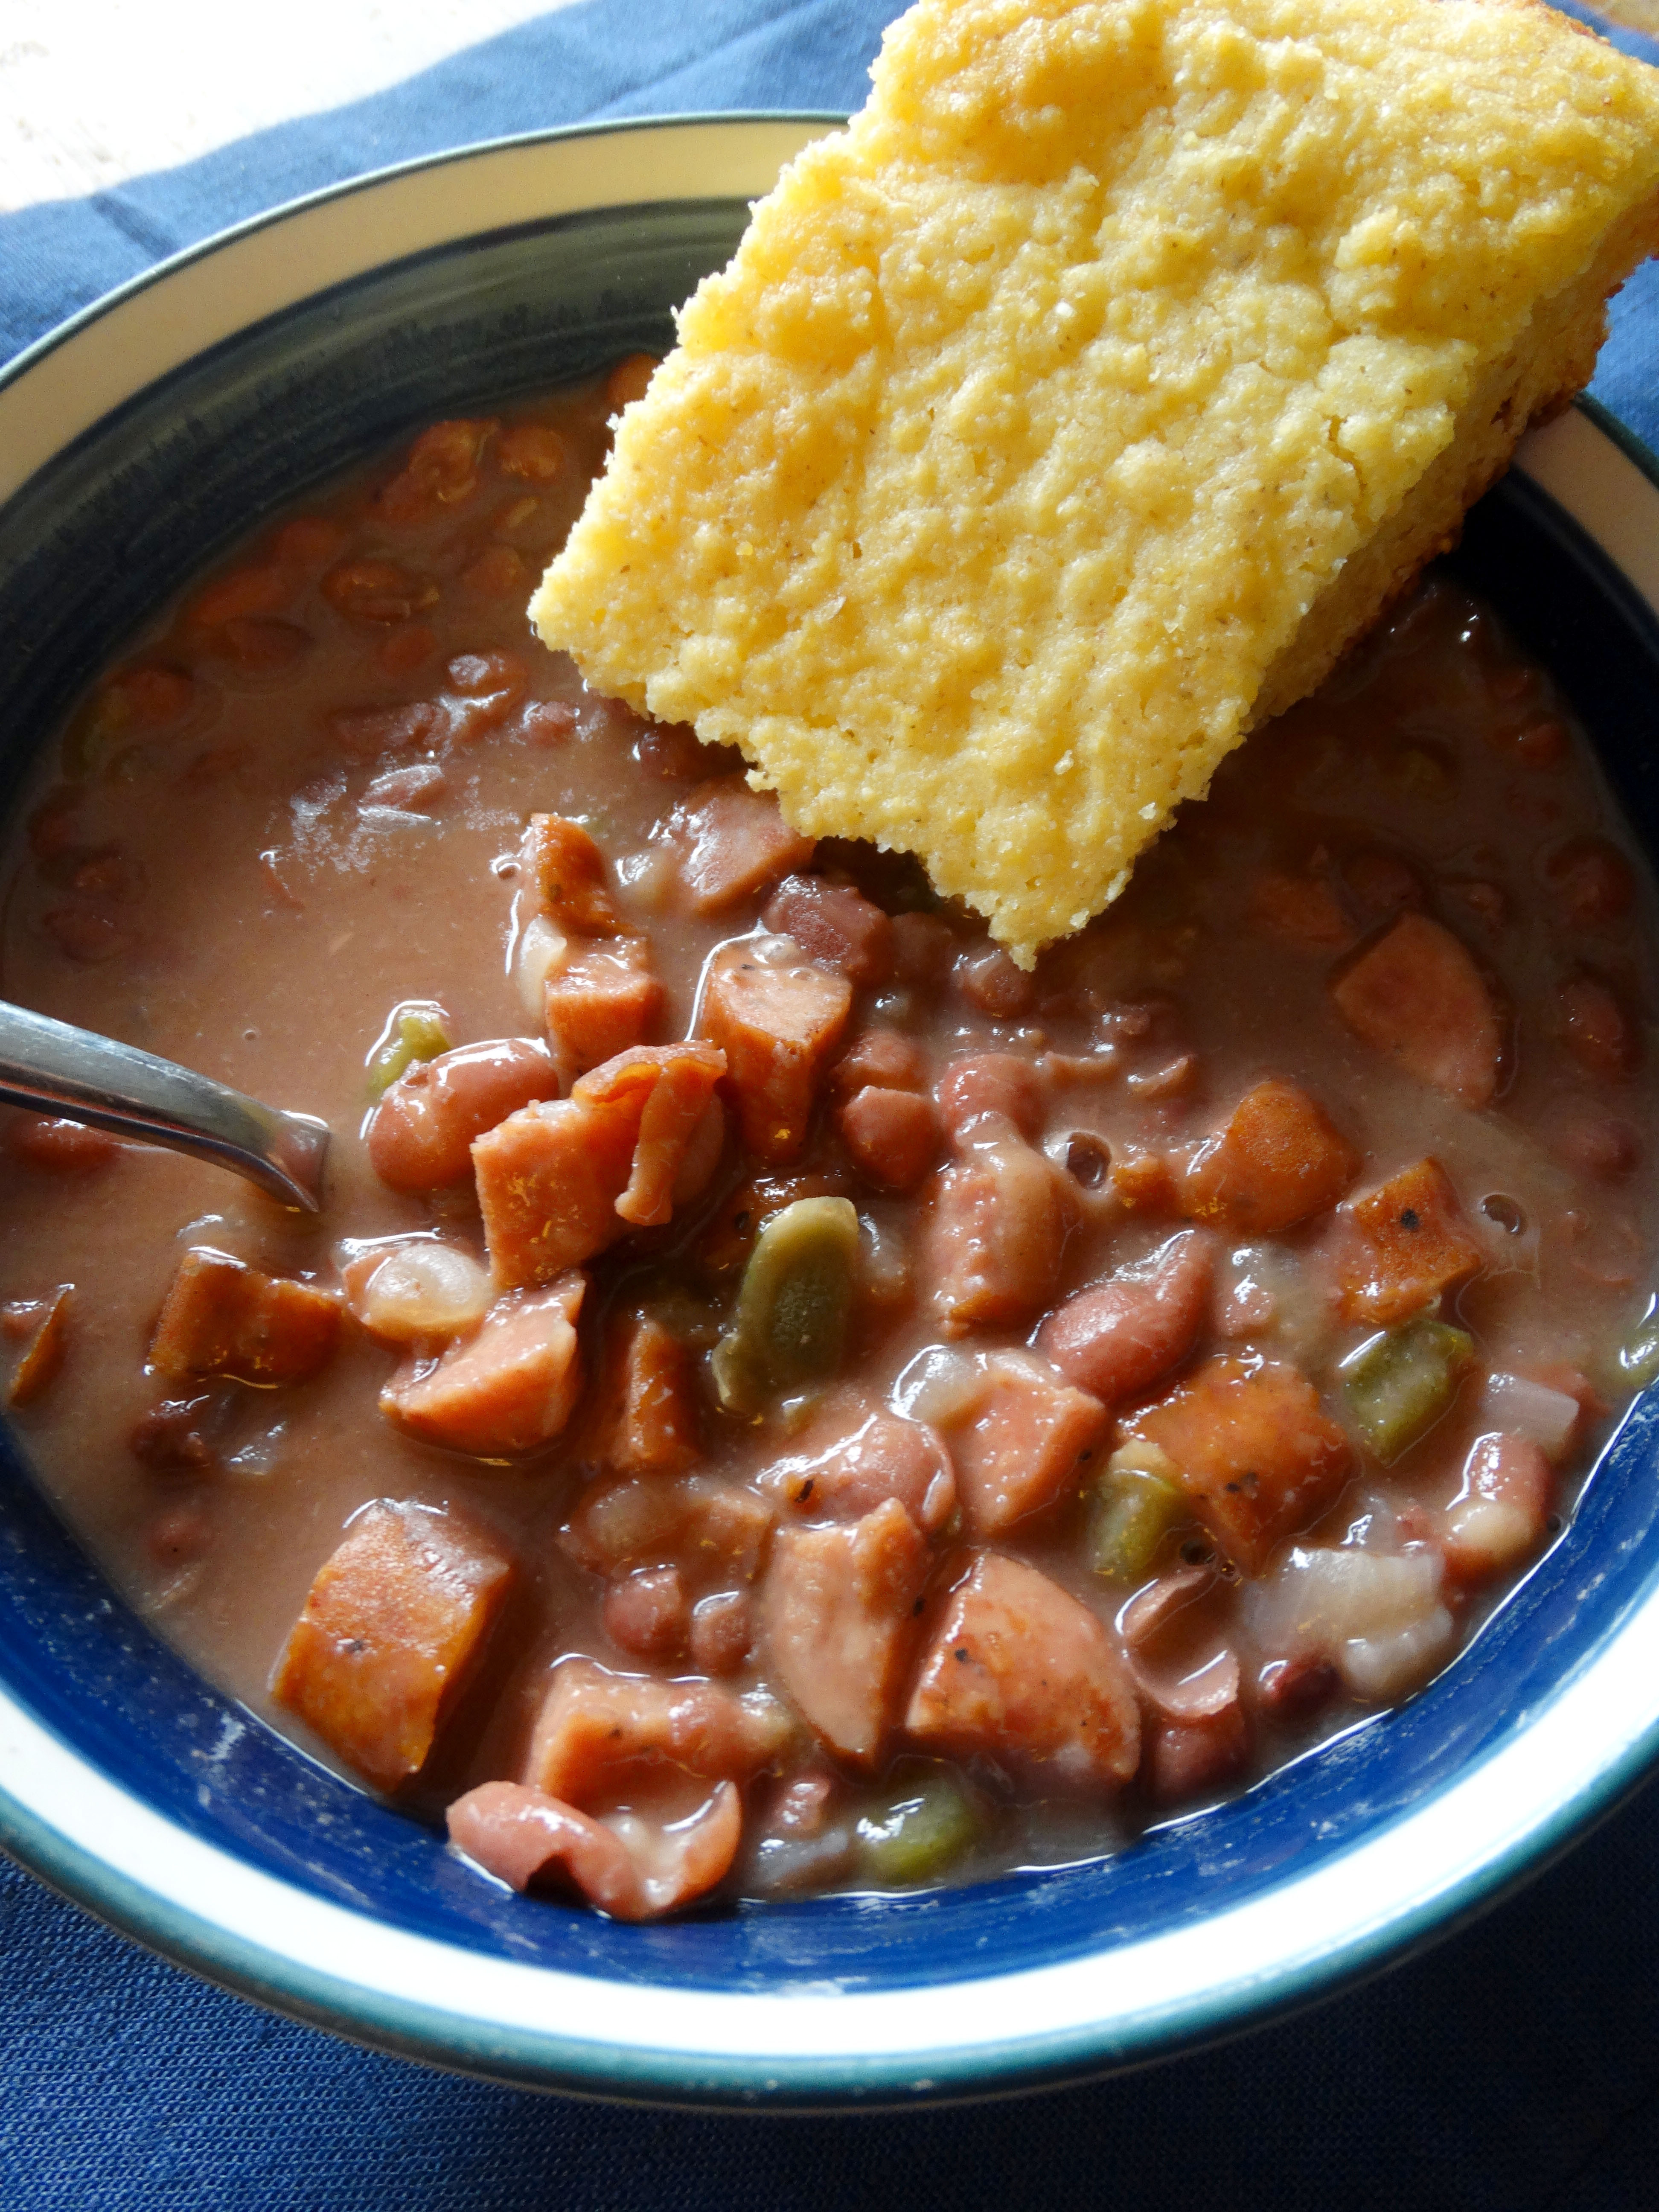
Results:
<point x="82" y="1833"/>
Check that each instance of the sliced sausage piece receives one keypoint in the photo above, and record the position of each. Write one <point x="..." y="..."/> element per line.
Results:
<point x="712" y="1530"/>
<point x="567" y="877"/>
<point x="1118" y="1337"/>
<point x="648" y="1422"/>
<point x="881" y="1457"/>
<point x="1278" y="1161"/>
<point x="548" y="1178"/>
<point x="523" y="1836"/>
<point x="393" y="1622"/>
<point x="1020" y="1671"/>
<point x="595" y="1726"/>
<point x="1019" y="1439"/>
<point x="508" y="1388"/>
<point x="839" y="1610"/>
<point x="1252" y="1450"/>
<point x="892" y="1135"/>
<point x="44" y="1325"/>
<point x="734" y="843"/>
<point x="64" y="1147"/>
<point x="834" y="925"/>
<point x="1145" y="1183"/>
<point x="1417" y="995"/>
<point x="1400" y="1246"/>
<point x="602" y="1000"/>
<point x="222" y="1318"/>
<point x="559" y="1180"/>
<point x="996" y="1236"/>
<point x="672" y="1088"/>
<point x="778" y="1024"/>
<point x="422" y="1134"/>
<point x="1300" y="910"/>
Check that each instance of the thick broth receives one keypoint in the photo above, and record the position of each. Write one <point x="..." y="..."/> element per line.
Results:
<point x="299" y="802"/>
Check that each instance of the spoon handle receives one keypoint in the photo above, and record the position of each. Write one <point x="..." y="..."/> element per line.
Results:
<point x="55" y="1068"/>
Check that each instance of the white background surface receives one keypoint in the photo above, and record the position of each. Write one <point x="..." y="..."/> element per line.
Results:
<point x="95" y="91"/>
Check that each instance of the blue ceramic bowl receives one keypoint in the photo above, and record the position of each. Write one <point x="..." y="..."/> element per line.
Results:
<point x="156" y="428"/>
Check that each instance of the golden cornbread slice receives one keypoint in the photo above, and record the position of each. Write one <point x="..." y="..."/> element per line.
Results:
<point x="1066" y="414"/>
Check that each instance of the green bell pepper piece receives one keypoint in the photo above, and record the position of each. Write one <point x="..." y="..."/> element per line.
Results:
<point x="918" y="1836"/>
<point x="790" y="1327"/>
<point x="1400" y="1383"/>
<point x="1132" y="1505"/>
<point x="415" y="1032"/>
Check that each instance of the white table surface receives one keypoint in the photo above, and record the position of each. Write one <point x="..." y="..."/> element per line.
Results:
<point x="93" y="92"/>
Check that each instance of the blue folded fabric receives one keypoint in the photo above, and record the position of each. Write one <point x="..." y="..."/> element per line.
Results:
<point x="1512" y="2069"/>
<point x="581" y="64"/>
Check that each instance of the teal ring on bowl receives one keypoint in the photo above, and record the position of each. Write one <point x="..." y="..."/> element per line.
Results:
<point x="154" y="430"/>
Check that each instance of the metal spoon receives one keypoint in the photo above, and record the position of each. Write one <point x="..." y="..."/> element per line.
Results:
<point x="55" y="1068"/>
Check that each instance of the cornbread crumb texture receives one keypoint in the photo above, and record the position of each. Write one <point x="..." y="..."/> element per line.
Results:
<point x="1038" y="408"/>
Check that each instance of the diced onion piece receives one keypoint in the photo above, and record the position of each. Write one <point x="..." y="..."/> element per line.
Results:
<point x="939" y="1385"/>
<point x="1525" y="1409"/>
<point x="884" y="1259"/>
<point x="1384" y="1667"/>
<point x="423" y="1290"/>
<point x="1377" y="1615"/>
<point x="541" y="952"/>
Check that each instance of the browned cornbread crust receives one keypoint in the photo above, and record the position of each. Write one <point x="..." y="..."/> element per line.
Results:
<point x="1066" y="416"/>
<point x="1539" y="376"/>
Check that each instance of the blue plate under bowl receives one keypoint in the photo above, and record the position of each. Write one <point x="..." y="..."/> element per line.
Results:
<point x="156" y="430"/>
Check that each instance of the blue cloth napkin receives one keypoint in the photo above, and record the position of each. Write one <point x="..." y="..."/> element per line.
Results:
<point x="1514" y="2068"/>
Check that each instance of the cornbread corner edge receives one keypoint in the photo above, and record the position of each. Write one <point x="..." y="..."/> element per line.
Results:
<point x="1064" y="417"/>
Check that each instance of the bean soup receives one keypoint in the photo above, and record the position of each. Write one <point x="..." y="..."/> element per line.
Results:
<point x="780" y="1398"/>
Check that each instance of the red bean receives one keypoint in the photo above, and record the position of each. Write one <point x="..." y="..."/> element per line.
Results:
<point x="673" y="751"/>
<point x="835" y="925"/>
<point x="892" y="1135"/>
<point x="922" y="945"/>
<point x="86" y="937"/>
<point x="180" y="1535"/>
<point x="1542" y="744"/>
<point x="533" y="452"/>
<point x="1593" y="881"/>
<point x="547" y="721"/>
<point x="423" y="1131"/>
<point x="992" y="1083"/>
<point x="989" y="979"/>
<point x="882" y="1057"/>
<point x="1599" y="1146"/>
<point x="647" y="1614"/>
<point x="722" y="1631"/>
<point x="377" y="591"/>
<point x="1115" y="1339"/>
<point x="1598" y="1033"/>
